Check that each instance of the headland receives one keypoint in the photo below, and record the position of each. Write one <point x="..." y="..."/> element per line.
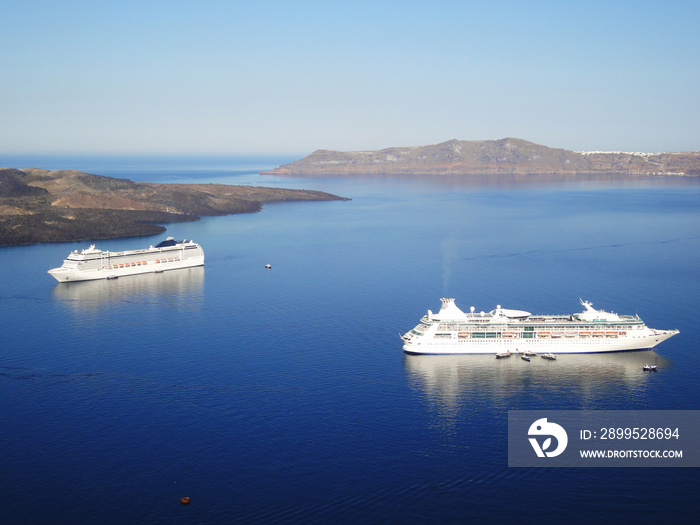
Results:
<point x="38" y="205"/>
<point x="509" y="156"/>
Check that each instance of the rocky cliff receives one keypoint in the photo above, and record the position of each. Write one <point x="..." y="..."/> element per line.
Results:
<point x="505" y="156"/>
<point x="58" y="206"/>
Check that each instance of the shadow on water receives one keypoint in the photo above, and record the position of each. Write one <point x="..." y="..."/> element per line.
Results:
<point x="519" y="180"/>
<point x="455" y="380"/>
<point x="133" y="288"/>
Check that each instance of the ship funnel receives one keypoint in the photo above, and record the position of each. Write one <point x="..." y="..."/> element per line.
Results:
<point x="449" y="310"/>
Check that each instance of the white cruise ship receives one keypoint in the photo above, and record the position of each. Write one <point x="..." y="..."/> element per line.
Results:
<point x="452" y="331"/>
<point x="91" y="263"/>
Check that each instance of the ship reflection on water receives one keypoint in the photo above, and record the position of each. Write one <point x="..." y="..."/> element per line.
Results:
<point x="133" y="288"/>
<point x="574" y="381"/>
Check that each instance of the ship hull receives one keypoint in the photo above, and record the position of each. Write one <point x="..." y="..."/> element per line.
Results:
<point x="66" y="275"/>
<point x="630" y="342"/>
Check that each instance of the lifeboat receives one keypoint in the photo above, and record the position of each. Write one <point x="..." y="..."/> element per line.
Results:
<point x="509" y="334"/>
<point x="598" y="334"/>
<point x="544" y="334"/>
<point x="610" y="334"/>
<point x="463" y="335"/>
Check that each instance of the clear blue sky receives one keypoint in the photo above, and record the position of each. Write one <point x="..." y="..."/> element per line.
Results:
<point x="240" y="77"/>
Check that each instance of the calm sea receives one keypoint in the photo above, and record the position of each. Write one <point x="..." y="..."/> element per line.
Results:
<point x="283" y="395"/>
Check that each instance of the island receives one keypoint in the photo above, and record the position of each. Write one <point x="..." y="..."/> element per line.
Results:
<point x="509" y="156"/>
<point x="38" y="205"/>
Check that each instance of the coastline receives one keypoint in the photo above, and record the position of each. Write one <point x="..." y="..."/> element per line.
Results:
<point x="68" y="205"/>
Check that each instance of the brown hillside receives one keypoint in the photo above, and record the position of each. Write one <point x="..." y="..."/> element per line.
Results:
<point x="67" y="205"/>
<point x="496" y="157"/>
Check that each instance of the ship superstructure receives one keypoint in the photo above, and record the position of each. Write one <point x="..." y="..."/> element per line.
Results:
<point x="452" y="331"/>
<point x="90" y="264"/>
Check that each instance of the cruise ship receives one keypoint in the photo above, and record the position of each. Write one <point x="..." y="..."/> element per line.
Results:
<point x="91" y="263"/>
<point x="503" y="331"/>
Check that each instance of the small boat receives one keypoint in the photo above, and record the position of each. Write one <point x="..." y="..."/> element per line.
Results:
<point x="268" y="266"/>
<point x="529" y="352"/>
<point x="551" y="357"/>
<point x="501" y="355"/>
<point x="649" y="368"/>
<point x="525" y="357"/>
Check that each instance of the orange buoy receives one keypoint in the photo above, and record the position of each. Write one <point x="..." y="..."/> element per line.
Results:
<point x="185" y="500"/>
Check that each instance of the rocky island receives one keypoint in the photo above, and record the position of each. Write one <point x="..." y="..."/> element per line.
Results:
<point x="37" y="205"/>
<point x="509" y="156"/>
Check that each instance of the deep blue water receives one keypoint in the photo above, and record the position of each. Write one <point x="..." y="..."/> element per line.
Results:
<point x="283" y="395"/>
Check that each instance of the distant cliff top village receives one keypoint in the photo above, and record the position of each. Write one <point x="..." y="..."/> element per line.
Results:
<point x="507" y="156"/>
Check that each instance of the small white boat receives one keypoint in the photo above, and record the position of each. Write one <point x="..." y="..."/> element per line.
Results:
<point x="525" y="357"/>
<point x="649" y="368"/>
<point x="268" y="266"/>
<point x="529" y="352"/>
<point x="551" y="357"/>
<point x="501" y="355"/>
